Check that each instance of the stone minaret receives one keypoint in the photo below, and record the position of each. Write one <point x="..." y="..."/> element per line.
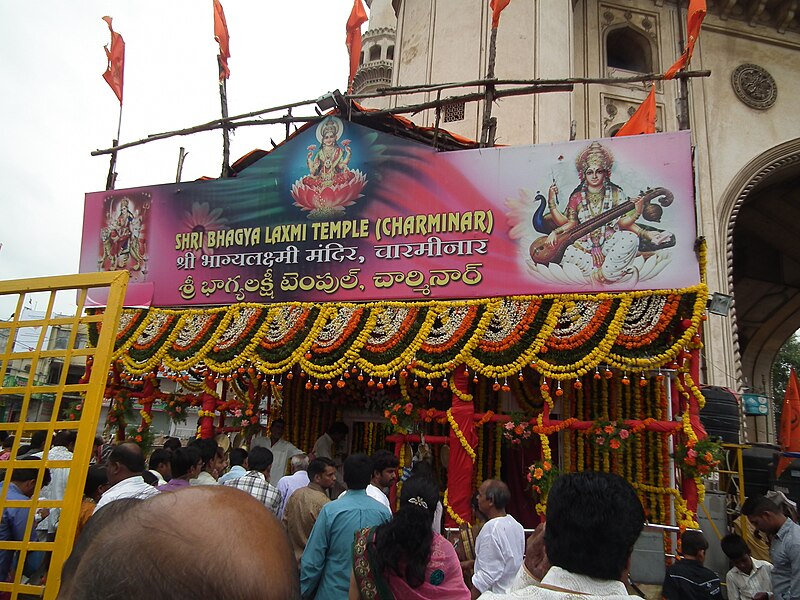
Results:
<point x="377" y="52"/>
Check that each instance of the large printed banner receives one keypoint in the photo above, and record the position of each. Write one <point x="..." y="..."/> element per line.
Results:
<point x="343" y="213"/>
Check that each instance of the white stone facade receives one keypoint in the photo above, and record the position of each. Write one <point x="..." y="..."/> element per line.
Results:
<point x="742" y="151"/>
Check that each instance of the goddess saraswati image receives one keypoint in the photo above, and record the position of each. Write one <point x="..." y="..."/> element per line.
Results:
<point x="597" y="237"/>
<point x="330" y="185"/>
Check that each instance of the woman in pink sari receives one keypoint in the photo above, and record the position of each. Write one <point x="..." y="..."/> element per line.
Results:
<point x="404" y="559"/>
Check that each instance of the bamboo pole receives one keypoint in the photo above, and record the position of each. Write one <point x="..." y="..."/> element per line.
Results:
<point x="530" y="86"/>
<point x="226" y="139"/>
<point x="487" y="136"/>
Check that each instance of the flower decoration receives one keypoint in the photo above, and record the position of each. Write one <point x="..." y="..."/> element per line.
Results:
<point x="518" y="430"/>
<point x="176" y="407"/>
<point x="609" y="435"/>
<point x="541" y="476"/>
<point x="401" y="417"/>
<point x="141" y="436"/>
<point x="74" y="410"/>
<point x="699" y="458"/>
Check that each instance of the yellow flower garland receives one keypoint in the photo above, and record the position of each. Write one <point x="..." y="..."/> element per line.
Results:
<point x="684" y="517"/>
<point x="450" y="511"/>
<point x="533" y="354"/>
<point x="458" y="393"/>
<point x="454" y="427"/>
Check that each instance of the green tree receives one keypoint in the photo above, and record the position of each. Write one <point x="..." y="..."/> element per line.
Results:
<point x="788" y="356"/>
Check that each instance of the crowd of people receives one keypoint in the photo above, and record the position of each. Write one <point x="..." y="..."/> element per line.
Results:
<point x="146" y="528"/>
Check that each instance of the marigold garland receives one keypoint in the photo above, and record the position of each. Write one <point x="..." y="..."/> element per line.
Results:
<point x="463" y="440"/>
<point x="453" y="514"/>
<point x="434" y="359"/>
<point x="457" y="392"/>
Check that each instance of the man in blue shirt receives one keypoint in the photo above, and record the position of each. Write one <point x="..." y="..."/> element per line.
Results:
<point x="14" y="520"/>
<point x="328" y="560"/>
<point x="784" y="549"/>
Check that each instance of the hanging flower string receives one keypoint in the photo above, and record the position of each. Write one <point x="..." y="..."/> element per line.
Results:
<point x="458" y="393"/>
<point x="453" y="514"/>
<point x="463" y="440"/>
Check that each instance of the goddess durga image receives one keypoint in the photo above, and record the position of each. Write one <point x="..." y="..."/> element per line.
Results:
<point x="122" y="237"/>
<point x="597" y="238"/>
<point x="330" y="185"/>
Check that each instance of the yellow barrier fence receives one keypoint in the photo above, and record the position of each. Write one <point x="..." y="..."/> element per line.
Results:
<point x="42" y="364"/>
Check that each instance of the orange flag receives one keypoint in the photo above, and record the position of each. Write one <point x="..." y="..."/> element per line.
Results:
<point x="644" y="119"/>
<point x="358" y="16"/>
<point x="221" y="36"/>
<point x="697" y="12"/>
<point x="497" y="7"/>
<point x="115" y="70"/>
<point x="790" y="422"/>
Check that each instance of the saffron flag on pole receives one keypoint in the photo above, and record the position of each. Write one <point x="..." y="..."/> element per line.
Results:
<point x="221" y="36"/>
<point x="694" y="19"/>
<point x="790" y="422"/>
<point x="644" y="119"/>
<point x="358" y="16"/>
<point x="497" y="7"/>
<point x="115" y="70"/>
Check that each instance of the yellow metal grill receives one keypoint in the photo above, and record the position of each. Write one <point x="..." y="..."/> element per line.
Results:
<point x="39" y="358"/>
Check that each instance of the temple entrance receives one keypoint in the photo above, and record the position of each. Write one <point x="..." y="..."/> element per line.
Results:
<point x="765" y="261"/>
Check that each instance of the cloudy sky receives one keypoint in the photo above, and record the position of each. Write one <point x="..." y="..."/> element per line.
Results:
<point x="57" y="108"/>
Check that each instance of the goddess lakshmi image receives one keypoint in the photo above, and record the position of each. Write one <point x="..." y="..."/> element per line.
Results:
<point x="122" y="238"/>
<point x="330" y="185"/>
<point x="598" y="238"/>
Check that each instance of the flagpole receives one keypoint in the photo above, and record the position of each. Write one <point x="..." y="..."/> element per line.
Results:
<point x="111" y="179"/>
<point x="226" y="141"/>
<point x="489" y="123"/>
<point x="683" y="83"/>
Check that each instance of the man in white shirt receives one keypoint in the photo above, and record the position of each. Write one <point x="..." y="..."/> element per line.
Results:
<point x="593" y="521"/>
<point x="282" y="450"/>
<point x="63" y="445"/>
<point x="289" y="484"/>
<point x="500" y="545"/>
<point x="124" y="471"/>
<point x="749" y="575"/>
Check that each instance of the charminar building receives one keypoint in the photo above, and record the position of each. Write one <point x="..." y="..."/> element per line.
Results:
<point x="743" y="118"/>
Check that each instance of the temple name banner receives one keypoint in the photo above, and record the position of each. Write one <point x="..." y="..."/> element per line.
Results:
<point x="344" y="213"/>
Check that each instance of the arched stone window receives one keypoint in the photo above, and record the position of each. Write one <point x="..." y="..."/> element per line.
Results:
<point x="390" y="53"/>
<point x="375" y="53"/>
<point x="361" y="59"/>
<point x="629" y="50"/>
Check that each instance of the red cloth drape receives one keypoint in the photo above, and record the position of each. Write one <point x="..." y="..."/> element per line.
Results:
<point x="790" y="422"/>
<point x="460" y="468"/>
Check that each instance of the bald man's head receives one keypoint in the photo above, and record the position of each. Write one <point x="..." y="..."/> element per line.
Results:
<point x="199" y="542"/>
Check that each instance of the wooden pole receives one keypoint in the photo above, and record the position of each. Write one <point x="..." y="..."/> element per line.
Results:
<point x="487" y="129"/>
<point x="181" y="157"/>
<point x="226" y="141"/>
<point x="111" y="179"/>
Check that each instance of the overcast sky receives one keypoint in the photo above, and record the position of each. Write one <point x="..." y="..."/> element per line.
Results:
<point x="56" y="108"/>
